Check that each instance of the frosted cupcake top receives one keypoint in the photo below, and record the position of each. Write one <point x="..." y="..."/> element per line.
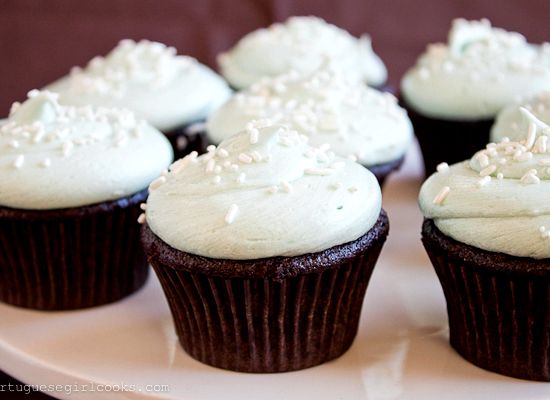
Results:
<point x="497" y="201"/>
<point x="55" y="156"/>
<point x="354" y="119"/>
<point x="479" y="71"/>
<point x="149" y="78"/>
<point x="301" y="44"/>
<point x="261" y="193"/>
<point x="511" y="121"/>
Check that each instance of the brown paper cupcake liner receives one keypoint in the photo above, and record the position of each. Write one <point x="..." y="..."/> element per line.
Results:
<point x="71" y="258"/>
<point x="446" y="140"/>
<point x="382" y="171"/>
<point x="268" y="315"/>
<point x="498" y="306"/>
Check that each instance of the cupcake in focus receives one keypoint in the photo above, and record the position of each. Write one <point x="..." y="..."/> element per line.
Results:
<point x="352" y="120"/>
<point x="71" y="183"/>
<point x="170" y="91"/>
<point x="301" y="44"/>
<point x="264" y="247"/>
<point x="455" y="90"/>
<point x="486" y="231"/>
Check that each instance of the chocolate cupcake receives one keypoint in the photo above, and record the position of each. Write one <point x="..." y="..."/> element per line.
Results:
<point x="264" y="247"/>
<point x="487" y="237"/>
<point x="354" y="120"/>
<point x="71" y="180"/>
<point x="301" y="44"/>
<point x="170" y="91"/>
<point x="456" y="89"/>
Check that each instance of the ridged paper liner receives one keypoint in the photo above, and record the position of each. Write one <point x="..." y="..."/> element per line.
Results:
<point x="447" y="140"/>
<point x="269" y="324"/>
<point x="499" y="319"/>
<point x="71" y="258"/>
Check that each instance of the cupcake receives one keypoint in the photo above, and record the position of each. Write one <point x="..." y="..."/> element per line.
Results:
<point x="170" y="91"/>
<point x="486" y="231"/>
<point x="264" y="247"/>
<point x="511" y="122"/>
<point x="354" y="120"/>
<point x="455" y="91"/>
<point x="71" y="183"/>
<point x="301" y="44"/>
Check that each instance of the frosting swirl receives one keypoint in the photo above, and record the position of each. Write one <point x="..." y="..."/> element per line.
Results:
<point x="263" y="192"/>
<point x="511" y="122"/>
<point x="301" y="44"/>
<point x="498" y="200"/>
<point x="479" y="71"/>
<point x="55" y="156"/>
<point x="149" y="78"/>
<point x="354" y="119"/>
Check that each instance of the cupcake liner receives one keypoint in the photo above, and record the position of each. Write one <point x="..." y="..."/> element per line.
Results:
<point x="187" y="138"/>
<point x="382" y="171"/>
<point x="267" y="315"/>
<point x="71" y="258"/>
<point x="447" y="140"/>
<point x="498" y="306"/>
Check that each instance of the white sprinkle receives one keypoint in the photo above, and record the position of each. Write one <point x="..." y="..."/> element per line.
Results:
<point x="14" y="144"/>
<point x="256" y="156"/>
<point x="287" y="187"/>
<point x="483" y="160"/>
<point x="319" y="171"/>
<point x="141" y="218"/>
<point x="223" y="153"/>
<point x="483" y="181"/>
<point x="245" y="158"/>
<point x="217" y="169"/>
<point x="45" y="163"/>
<point x="542" y="229"/>
<point x="254" y="135"/>
<point x="441" y="195"/>
<point x="210" y="165"/>
<point x="216" y="180"/>
<point x="157" y="183"/>
<point x="18" y="163"/>
<point x="143" y="206"/>
<point x="531" y="135"/>
<point x="352" y="189"/>
<point x="541" y="144"/>
<point x="442" y="167"/>
<point x="67" y="148"/>
<point x="241" y="178"/>
<point x="335" y="185"/>
<point x="522" y="157"/>
<point x="544" y="161"/>
<point x="211" y="148"/>
<point x="234" y="168"/>
<point x="487" y="170"/>
<point x="530" y="177"/>
<point x="273" y="189"/>
<point x="500" y="176"/>
<point x="285" y="141"/>
<point x="231" y="214"/>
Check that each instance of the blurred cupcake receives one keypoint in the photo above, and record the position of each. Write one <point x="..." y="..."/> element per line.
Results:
<point x="169" y="91"/>
<point x="71" y="181"/>
<point x="511" y="122"/>
<point x="264" y="247"/>
<point x="354" y="120"/>
<point x="455" y="91"/>
<point x="301" y="44"/>
<point x="487" y="231"/>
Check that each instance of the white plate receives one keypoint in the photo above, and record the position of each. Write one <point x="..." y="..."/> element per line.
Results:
<point x="401" y="350"/>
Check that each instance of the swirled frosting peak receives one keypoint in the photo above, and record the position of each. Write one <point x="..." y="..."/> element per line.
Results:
<point x="301" y="44"/>
<point x="476" y="73"/>
<point x="54" y="156"/>
<point x="497" y="201"/>
<point x="148" y="78"/>
<point x="263" y="192"/>
<point x="353" y="119"/>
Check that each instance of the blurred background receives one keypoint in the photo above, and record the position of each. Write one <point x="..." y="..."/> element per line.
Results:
<point x="40" y="40"/>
